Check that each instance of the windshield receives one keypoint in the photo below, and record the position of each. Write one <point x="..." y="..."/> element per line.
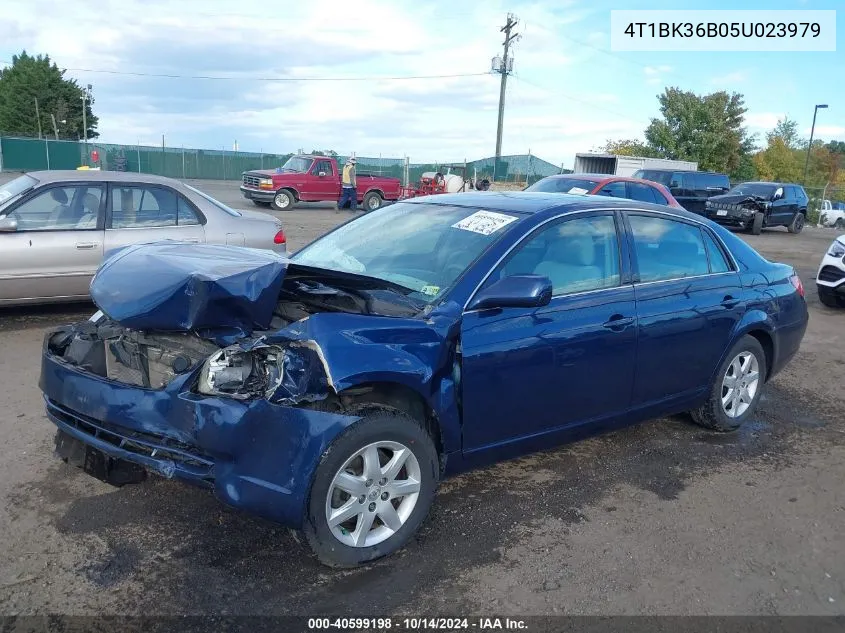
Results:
<point x="16" y="187"/>
<point x="763" y="190"/>
<point x="663" y="177"/>
<point x="216" y="203"/>
<point x="297" y="164"/>
<point x="422" y="247"/>
<point x="563" y="185"/>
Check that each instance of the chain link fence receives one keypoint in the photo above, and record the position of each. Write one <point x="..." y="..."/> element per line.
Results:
<point x="29" y="154"/>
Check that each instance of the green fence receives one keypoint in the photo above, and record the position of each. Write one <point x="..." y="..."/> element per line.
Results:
<point x="29" y="154"/>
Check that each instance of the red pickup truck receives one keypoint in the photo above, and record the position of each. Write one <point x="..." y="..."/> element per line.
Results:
<point x="306" y="178"/>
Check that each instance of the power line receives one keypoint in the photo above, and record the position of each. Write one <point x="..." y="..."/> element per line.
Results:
<point x="285" y="79"/>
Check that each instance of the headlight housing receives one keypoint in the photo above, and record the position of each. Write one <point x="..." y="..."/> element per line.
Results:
<point x="265" y="183"/>
<point x="837" y="249"/>
<point x="242" y="374"/>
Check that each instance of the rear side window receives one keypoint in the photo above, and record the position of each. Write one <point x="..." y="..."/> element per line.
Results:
<point x="667" y="249"/>
<point x="718" y="263"/>
<point x="789" y="194"/>
<point x="641" y="192"/>
<point x="716" y="181"/>
<point x="614" y="189"/>
<point x="659" y="198"/>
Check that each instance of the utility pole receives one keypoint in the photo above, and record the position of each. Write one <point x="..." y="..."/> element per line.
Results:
<point x="86" y="94"/>
<point x="55" y="127"/>
<point x="810" y="146"/>
<point x="38" y="117"/>
<point x="503" y="66"/>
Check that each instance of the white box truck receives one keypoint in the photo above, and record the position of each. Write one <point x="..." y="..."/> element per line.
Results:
<point x="626" y="165"/>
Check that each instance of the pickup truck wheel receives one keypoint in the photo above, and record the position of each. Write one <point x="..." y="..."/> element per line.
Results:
<point x="757" y="224"/>
<point x="736" y="388"/>
<point x="797" y="223"/>
<point x="840" y="224"/>
<point x="372" y="201"/>
<point x="283" y="200"/>
<point x="372" y="489"/>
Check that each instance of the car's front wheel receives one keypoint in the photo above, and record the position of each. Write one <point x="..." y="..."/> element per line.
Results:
<point x="372" y="489"/>
<point x="736" y="388"/>
<point x="830" y="298"/>
<point x="283" y="200"/>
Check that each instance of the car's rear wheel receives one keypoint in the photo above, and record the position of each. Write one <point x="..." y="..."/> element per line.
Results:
<point x="736" y="389"/>
<point x="372" y="201"/>
<point x="283" y="200"/>
<point x="797" y="223"/>
<point x="830" y="298"/>
<point x="372" y="489"/>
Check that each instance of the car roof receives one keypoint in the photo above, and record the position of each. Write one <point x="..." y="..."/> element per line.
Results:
<point x="96" y="175"/>
<point x="601" y="178"/>
<point x="530" y="202"/>
<point x="665" y="170"/>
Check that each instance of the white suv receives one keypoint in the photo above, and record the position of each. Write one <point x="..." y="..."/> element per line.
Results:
<point x="830" y="280"/>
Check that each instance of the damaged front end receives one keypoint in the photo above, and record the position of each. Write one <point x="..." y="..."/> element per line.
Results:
<point x="736" y="211"/>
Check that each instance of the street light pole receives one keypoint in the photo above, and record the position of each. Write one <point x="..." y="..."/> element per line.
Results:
<point x="810" y="146"/>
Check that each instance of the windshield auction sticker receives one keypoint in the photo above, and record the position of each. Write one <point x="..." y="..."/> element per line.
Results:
<point x="484" y="222"/>
<point x="723" y="30"/>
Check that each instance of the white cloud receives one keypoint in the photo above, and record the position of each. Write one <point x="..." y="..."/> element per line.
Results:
<point x="763" y="120"/>
<point x="827" y="130"/>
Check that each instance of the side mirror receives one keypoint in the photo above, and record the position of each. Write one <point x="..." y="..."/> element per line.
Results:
<point x="321" y="174"/>
<point x="516" y="291"/>
<point x="778" y="194"/>
<point x="8" y="225"/>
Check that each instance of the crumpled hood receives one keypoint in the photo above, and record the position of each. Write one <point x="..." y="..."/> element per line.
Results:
<point x="175" y="286"/>
<point x="734" y="199"/>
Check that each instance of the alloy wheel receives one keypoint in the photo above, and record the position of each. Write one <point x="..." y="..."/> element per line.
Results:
<point x="740" y="384"/>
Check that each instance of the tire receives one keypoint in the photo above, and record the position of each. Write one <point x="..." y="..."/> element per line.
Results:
<point x="713" y="415"/>
<point x="757" y="224"/>
<point x="386" y="429"/>
<point x="261" y="203"/>
<point x="839" y="224"/>
<point x="372" y="201"/>
<point x="283" y="200"/>
<point x="831" y="299"/>
<point x="797" y="223"/>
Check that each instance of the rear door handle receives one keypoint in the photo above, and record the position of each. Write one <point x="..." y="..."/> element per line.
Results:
<point x="617" y="322"/>
<point x="85" y="245"/>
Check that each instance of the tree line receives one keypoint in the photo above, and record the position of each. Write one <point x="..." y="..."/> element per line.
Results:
<point x="710" y="129"/>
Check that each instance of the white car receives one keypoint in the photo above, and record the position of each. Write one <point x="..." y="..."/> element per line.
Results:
<point x="832" y="214"/>
<point x="830" y="280"/>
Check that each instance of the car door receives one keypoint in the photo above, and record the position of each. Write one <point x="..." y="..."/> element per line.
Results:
<point x="317" y="187"/>
<point x="141" y="213"/>
<point x="57" y="246"/>
<point x="527" y="372"/>
<point x="783" y="208"/>
<point x="689" y="299"/>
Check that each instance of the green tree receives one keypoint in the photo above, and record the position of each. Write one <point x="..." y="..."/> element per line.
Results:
<point x="707" y="129"/>
<point x="629" y="147"/>
<point x="30" y="78"/>
<point x="778" y="161"/>
<point x="786" y="129"/>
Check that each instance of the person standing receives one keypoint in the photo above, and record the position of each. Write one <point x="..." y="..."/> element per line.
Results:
<point x="348" y="186"/>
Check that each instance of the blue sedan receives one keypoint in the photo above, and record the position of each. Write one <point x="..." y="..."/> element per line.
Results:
<point x="332" y="391"/>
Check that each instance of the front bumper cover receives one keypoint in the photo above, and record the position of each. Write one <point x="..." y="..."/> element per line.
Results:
<point x="255" y="455"/>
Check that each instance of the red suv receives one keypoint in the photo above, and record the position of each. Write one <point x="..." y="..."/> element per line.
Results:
<point x="605" y="185"/>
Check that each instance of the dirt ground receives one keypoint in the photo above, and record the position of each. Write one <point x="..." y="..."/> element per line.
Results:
<point x="661" y="518"/>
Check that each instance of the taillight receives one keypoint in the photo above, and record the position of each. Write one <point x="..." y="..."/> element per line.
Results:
<point x="796" y="283"/>
<point x="280" y="237"/>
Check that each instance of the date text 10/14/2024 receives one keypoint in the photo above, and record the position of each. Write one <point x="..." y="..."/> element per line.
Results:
<point x="417" y="624"/>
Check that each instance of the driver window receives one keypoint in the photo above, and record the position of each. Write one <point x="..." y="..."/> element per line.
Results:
<point x="577" y="255"/>
<point x="60" y="209"/>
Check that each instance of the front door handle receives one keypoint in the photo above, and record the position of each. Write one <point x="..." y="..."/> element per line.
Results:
<point x="617" y="322"/>
<point x="729" y="302"/>
<point x="85" y="245"/>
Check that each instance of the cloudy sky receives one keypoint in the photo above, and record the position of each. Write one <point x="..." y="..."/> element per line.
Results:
<point x="569" y="91"/>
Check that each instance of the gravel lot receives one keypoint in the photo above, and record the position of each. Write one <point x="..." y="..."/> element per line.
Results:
<point x="662" y="518"/>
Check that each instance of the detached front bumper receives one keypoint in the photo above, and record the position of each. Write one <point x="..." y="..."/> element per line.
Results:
<point x="260" y="195"/>
<point x="256" y="456"/>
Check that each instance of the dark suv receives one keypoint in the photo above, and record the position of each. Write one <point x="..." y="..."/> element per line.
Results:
<point x="754" y="205"/>
<point x="690" y="188"/>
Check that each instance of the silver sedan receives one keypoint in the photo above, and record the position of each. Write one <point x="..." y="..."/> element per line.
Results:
<point x="56" y="227"/>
